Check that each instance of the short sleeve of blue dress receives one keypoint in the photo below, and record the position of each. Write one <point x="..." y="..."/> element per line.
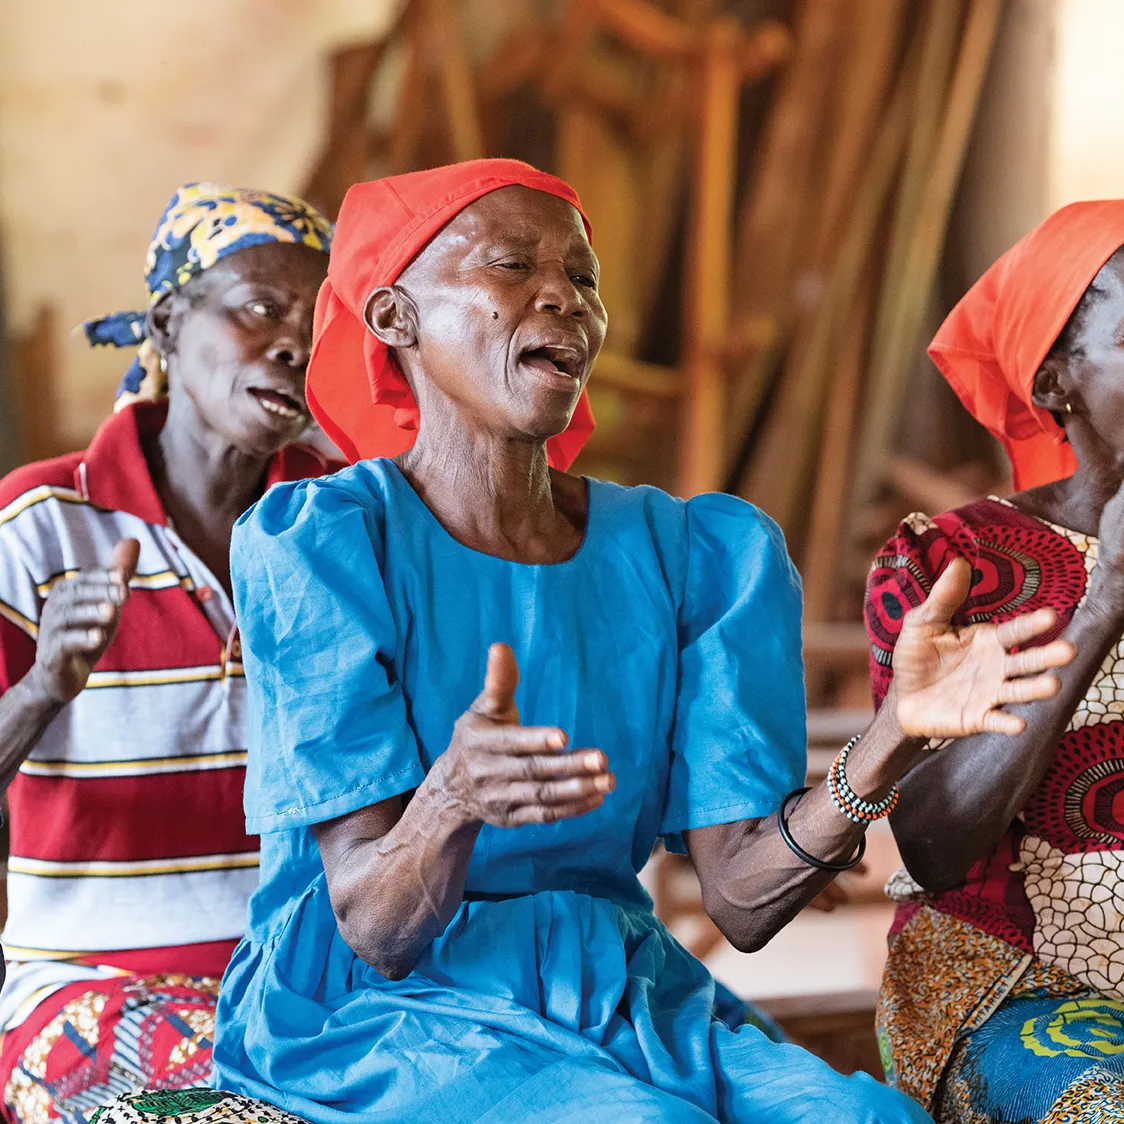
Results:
<point x="327" y="719"/>
<point x="739" y="738"/>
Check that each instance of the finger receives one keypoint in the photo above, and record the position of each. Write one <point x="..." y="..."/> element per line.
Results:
<point x="569" y="791"/>
<point x="1000" y="722"/>
<point x="552" y="813"/>
<point x="500" y="680"/>
<point x="1021" y="629"/>
<point x="520" y="740"/>
<point x="1027" y="690"/>
<point x="86" y="614"/>
<point x="81" y="640"/>
<point x="99" y="586"/>
<point x="123" y="564"/>
<point x="1030" y="661"/>
<point x="947" y="594"/>
<point x="580" y="763"/>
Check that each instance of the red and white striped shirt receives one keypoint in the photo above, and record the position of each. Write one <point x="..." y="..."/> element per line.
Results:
<point x="128" y="843"/>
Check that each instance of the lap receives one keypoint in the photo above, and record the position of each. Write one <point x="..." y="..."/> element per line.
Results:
<point x="190" y="1106"/>
<point x="1038" y="1058"/>
<point x="95" y="1040"/>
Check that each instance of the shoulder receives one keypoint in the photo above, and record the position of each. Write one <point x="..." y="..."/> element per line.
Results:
<point x="363" y="485"/>
<point x="726" y="518"/>
<point x="715" y="514"/>
<point x="312" y="512"/>
<point x="301" y="460"/>
<point x="925" y="544"/>
<point x="54" y="474"/>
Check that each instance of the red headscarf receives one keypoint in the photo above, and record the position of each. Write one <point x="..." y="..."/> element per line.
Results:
<point x="354" y="388"/>
<point x="994" y="341"/>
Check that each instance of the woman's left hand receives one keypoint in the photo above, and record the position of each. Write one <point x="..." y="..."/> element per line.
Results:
<point x="951" y="682"/>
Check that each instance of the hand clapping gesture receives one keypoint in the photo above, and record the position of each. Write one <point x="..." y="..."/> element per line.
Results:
<point x="80" y="617"/>
<point x="951" y="682"/>
<point x="507" y="775"/>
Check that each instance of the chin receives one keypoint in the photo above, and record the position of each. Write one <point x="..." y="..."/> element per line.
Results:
<point x="259" y="442"/>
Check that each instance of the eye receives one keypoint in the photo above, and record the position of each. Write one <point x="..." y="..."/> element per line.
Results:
<point x="514" y="265"/>
<point x="262" y="308"/>
<point x="586" y="280"/>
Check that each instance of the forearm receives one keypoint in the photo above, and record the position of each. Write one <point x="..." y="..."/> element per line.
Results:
<point x="394" y="892"/>
<point x="960" y="799"/>
<point x="26" y="710"/>
<point x="753" y="883"/>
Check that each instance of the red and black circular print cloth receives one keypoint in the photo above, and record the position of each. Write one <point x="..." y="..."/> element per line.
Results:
<point x="1019" y="564"/>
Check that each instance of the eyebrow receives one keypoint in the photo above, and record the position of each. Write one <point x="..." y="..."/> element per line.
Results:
<point x="527" y="237"/>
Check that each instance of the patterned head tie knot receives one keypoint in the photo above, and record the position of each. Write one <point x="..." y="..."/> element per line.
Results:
<point x="204" y="223"/>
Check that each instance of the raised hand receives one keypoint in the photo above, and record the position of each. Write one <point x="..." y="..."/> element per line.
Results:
<point x="508" y="775"/>
<point x="79" y="619"/>
<point x="951" y="682"/>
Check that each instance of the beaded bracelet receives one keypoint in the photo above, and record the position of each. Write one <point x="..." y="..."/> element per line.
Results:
<point x="853" y="806"/>
<point x="801" y="854"/>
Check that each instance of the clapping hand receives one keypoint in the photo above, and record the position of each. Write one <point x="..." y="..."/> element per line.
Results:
<point x="501" y="773"/>
<point x="79" y="619"/>
<point x="951" y="682"/>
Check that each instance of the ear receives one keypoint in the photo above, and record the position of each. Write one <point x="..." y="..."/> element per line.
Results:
<point x="1050" y="390"/>
<point x="159" y="324"/>
<point x="392" y="317"/>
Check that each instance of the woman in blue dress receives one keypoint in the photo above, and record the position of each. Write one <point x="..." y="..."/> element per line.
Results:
<point x="481" y="689"/>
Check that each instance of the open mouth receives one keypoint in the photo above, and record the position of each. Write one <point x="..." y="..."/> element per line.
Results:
<point x="552" y="360"/>
<point x="273" y="401"/>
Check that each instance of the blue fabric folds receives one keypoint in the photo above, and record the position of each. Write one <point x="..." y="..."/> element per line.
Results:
<point x="670" y="641"/>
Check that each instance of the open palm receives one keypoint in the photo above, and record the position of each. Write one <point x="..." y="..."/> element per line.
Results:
<point x="951" y="682"/>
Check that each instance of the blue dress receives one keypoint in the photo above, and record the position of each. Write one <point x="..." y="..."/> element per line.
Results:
<point x="671" y="640"/>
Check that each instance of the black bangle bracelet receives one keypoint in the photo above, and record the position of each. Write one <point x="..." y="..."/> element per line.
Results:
<point x="801" y="854"/>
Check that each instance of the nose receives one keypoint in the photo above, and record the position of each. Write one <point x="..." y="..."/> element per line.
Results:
<point x="558" y="294"/>
<point x="289" y="350"/>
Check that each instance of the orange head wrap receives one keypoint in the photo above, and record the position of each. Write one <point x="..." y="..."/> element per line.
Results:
<point x="355" y="389"/>
<point x="995" y="340"/>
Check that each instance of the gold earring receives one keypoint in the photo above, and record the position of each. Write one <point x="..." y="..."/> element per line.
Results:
<point x="1069" y="407"/>
<point x="164" y="369"/>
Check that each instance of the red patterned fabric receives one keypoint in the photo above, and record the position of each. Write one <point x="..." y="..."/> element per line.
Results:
<point x="1018" y="564"/>
<point x="97" y="1041"/>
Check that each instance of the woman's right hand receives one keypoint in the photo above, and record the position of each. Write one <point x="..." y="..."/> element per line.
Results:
<point x="79" y="619"/>
<point x="507" y="775"/>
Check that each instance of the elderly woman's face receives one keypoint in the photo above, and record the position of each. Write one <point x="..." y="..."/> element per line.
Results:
<point x="508" y="319"/>
<point x="1094" y="367"/>
<point x="238" y="339"/>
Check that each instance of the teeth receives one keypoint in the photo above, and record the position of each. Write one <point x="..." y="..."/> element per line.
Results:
<point x="277" y="408"/>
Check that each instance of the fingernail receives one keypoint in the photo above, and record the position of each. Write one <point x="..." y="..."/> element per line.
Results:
<point x="592" y="761"/>
<point x="605" y="783"/>
<point x="558" y="740"/>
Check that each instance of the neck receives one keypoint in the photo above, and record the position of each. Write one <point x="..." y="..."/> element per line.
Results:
<point x="198" y="473"/>
<point x="496" y="494"/>
<point x="1078" y="501"/>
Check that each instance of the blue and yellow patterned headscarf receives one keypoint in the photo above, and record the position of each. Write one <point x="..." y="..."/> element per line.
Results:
<point x="204" y="223"/>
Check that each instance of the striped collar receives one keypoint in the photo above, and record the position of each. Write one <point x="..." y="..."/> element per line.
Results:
<point x="113" y="473"/>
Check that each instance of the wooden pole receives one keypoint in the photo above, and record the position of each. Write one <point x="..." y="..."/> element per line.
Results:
<point x="781" y="471"/>
<point x="706" y="300"/>
<point x="465" y="133"/>
<point x="899" y="338"/>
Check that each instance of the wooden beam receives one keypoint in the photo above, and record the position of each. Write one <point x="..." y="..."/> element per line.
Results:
<point x="706" y="303"/>
<point x="899" y="336"/>
<point x="461" y="112"/>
